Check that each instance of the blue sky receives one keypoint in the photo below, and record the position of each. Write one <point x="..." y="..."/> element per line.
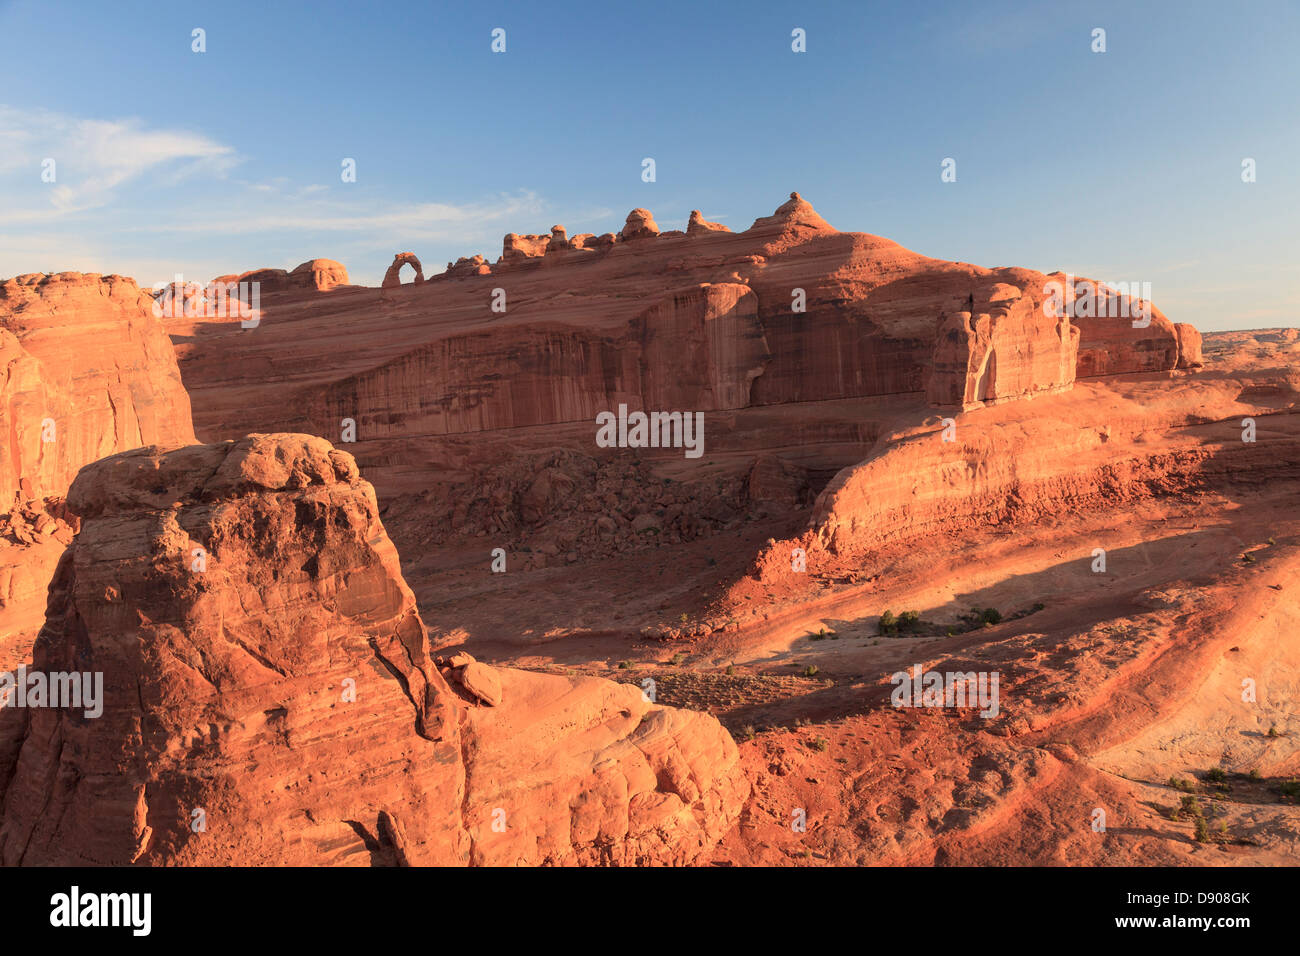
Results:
<point x="1123" y="165"/>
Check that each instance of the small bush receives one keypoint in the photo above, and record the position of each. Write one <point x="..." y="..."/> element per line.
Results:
<point x="888" y="623"/>
<point x="909" y="620"/>
<point x="1202" y="830"/>
<point x="810" y="670"/>
<point x="1215" y="775"/>
<point x="1254" y="774"/>
<point x="820" y="744"/>
<point x="624" y="665"/>
<point x="731" y="669"/>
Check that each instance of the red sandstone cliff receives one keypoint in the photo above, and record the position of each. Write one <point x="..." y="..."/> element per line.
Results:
<point x="789" y="310"/>
<point x="85" y="356"/>
<point x="86" y="370"/>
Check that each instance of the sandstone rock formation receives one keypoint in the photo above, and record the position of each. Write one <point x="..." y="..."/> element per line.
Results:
<point x="605" y="776"/>
<point x="698" y="225"/>
<point x="321" y="274"/>
<point x="835" y="316"/>
<point x="795" y="215"/>
<point x="1189" y="346"/>
<point x="314" y="275"/>
<point x="515" y="247"/>
<point x="266" y="672"/>
<point x="87" y="371"/>
<point x="393" y="277"/>
<point x="699" y="348"/>
<point x="269" y="280"/>
<point x="559" y="241"/>
<point x="90" y="372"/>
<point x="640" y="225"/>
<point x="468" y="266"/>
<point x="1003" y="348"/>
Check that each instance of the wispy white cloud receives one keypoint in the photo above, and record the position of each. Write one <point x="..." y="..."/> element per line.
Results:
<point x="93" y="158"/>
<point x="427" y="220"/>
<point x="95" y="218"/>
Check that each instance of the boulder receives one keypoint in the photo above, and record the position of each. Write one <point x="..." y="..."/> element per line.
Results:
<point x="481" y="681"/>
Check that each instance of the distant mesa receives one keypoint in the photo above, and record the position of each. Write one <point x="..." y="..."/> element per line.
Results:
<point x="392" y="278"/>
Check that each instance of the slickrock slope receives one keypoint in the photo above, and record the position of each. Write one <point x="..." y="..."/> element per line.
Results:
<point x="86" y="370"/>
<point x="269" y="697"/>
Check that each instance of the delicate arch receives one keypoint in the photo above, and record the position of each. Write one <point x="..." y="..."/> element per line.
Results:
<point x="393" y="278"/>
